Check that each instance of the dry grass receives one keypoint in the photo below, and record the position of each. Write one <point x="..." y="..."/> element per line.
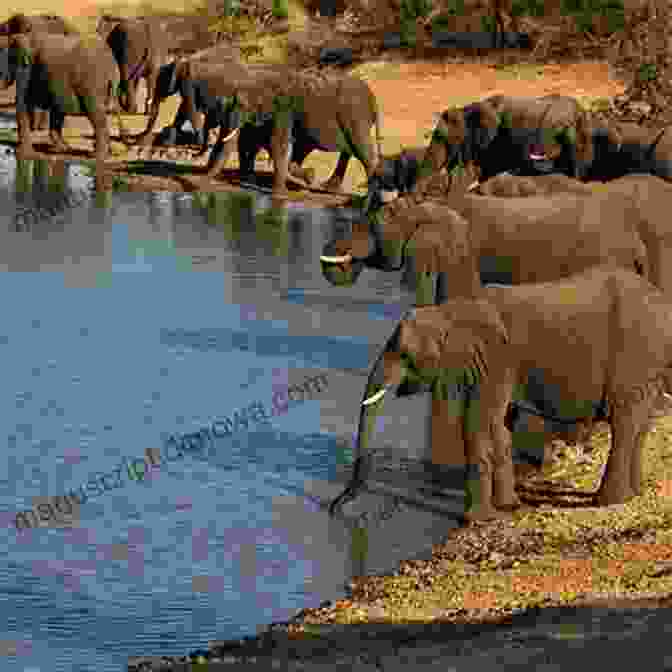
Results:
<point x="544" y="556"/>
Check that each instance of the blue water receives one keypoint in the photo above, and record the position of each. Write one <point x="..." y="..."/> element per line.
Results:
<point x="193" y="552"/>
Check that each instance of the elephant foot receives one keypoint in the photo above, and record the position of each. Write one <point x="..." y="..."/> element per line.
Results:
<point x="332" y="184"/>
<point x="523" y="471"/>
<point x="280" y="192"/>
<point x="508" y="503"/>
<point x="613" y="496"/>
<point x="305" y="174"/>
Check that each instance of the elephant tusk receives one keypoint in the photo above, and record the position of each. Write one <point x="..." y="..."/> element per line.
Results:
<point x="374" y="397"/>
<point x="231" y="135"/>
<point x="669" y="396"/>
<point x="344" y="259"/>
<point x="473" y="185"/>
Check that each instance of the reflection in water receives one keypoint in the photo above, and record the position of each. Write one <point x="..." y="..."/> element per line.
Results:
<point x="41" y="192"/>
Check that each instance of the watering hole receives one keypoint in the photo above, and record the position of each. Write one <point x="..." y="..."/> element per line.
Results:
<point x="201" y="549"/>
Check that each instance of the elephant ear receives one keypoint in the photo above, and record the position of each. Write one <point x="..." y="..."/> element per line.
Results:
<point x="457" y="340"/>
<point x="474" y="337"/>
<point x="482" y="122"/>
<point x="442" y="244"/>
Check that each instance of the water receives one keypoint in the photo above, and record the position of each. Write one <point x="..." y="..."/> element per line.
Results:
<point x="210" y="546"/>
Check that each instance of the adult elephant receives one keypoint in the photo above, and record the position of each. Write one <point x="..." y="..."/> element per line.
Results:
<point x="140" y="47"/>
<point x="43" y="23"/>
<point x="450" y="247"/>
<point x="650" y="200"/>
<point x="622" y="148"/>
<point x="231" y="94"/>
<point x="596" y="345"/>
<point x="65" y="75"/>
<point x="338" y="115"/>
<point x="528" y="136"/>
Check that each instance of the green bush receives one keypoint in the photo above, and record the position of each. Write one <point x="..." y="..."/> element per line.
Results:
<point x="280" y="9"/>
<point x="647" y="72"/>
<point x="583" y="12"/>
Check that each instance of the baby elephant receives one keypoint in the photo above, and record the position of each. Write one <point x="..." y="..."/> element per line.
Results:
<point x="595" y="344"/>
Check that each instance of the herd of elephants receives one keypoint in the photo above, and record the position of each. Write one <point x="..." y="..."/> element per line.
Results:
<point x="544" y="302"/>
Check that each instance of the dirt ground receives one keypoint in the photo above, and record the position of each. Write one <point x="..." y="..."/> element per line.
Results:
<point x="428" y="88"/>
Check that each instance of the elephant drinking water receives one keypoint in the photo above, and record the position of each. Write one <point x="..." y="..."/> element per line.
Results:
<point x="595" y="345"/>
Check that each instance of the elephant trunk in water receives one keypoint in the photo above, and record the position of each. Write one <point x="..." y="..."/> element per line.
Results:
<point x="454" y="362"/>
<point x="384" y="374"/>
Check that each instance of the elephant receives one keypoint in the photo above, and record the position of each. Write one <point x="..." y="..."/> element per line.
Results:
<point x="650" y="198"/>
<point x="396" y="175"/>
<point x="45" y="23"/>
<point x="526" y="136"/>
<point x="622" y="148"/>
<point x="450" y="247"/>
<point x="65" y="75"/>
<point x="506" y="185"/>
<point x="597" y="345"/>
<point x="20" y="23"/>
<point x="140" y="47"/>
<point x="338" y="108"/>
<point x="231" y="94"/>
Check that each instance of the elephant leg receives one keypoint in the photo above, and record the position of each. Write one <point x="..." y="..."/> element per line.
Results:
<point x="298" y="155"/>
<point x="220" y="154"/>
<point x="124" y="87"/>
<point x="24" y="109"/>
<point x="280" y="151"/>
<point x="490" y="476"/>
<point x="57" y="121"/>
<point x="250" y="141"/>
<point x="133" y="86"/>
<point x="98" y="120"/>
<point x="335" y="182"/>
<point x="622" y="463"/>
<point x="150" y="80"/>
<point x="40" y="119"/>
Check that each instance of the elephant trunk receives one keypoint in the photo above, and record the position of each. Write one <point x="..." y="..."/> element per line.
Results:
<point x="385" y="374"/>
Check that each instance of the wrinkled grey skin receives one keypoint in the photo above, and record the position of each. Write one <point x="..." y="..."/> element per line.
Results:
<point x="622" y="149"/>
